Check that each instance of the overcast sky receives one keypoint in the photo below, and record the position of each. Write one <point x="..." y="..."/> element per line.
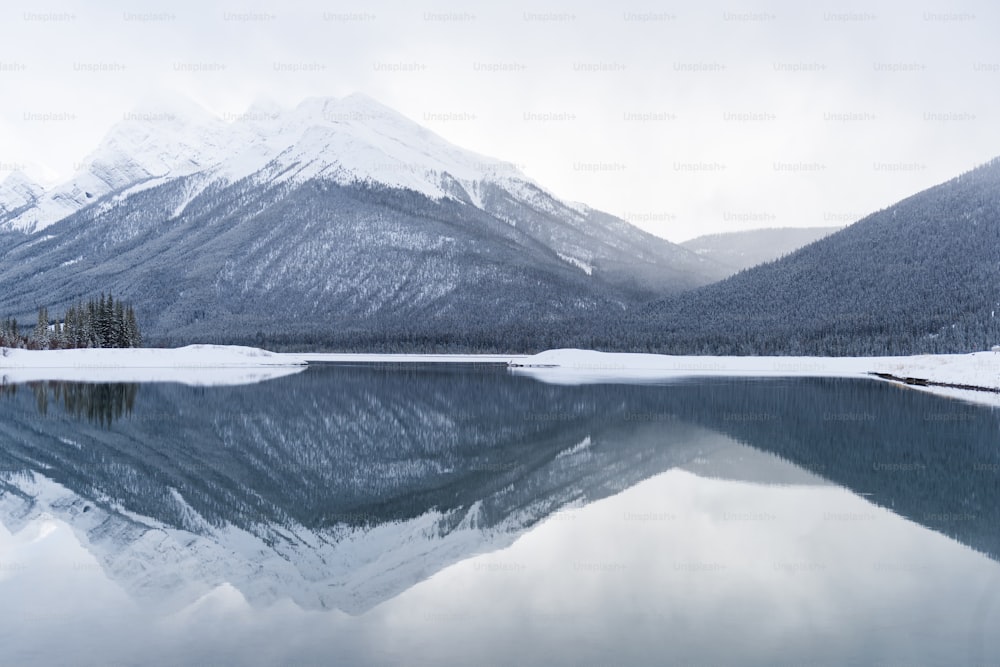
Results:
<point x="685" y="118"/>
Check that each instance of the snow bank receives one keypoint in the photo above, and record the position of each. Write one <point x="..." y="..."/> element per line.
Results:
<point x="979" y="369"/>
<point x="201" y="365"/>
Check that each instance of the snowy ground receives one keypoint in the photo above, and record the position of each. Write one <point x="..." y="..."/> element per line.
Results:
<point x="981" y="369"/>
<point x="200" y="365"/>
<point x="221" y="364"/>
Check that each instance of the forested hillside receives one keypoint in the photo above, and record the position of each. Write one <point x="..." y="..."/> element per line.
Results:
<point x="921" y="276"/>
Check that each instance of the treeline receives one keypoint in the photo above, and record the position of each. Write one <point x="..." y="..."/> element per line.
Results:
<point x="103" y="322"/>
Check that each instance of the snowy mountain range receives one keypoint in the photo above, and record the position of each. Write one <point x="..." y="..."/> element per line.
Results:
<point x="341" y="223"/>
<point x="338" y="213"/>
<point x="346" y="141"/>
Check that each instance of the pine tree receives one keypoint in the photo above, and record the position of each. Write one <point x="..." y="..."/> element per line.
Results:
<point x="104" y="323"/>
<point x="109" y="322"/>
<point x="120" y="335"/>
<point x="70" y="327"/>
<point x="74" y="335"/>
<point x="40" y="336"/>
<point x="132" y="334"/>
<point x="93" y="337"/>
<point x="56" y="341"/>
<point x="8" y="333"/>
<point x="85" y="323"/>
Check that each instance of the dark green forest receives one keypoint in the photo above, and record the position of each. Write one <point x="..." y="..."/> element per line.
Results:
<point x="102" y="322"/>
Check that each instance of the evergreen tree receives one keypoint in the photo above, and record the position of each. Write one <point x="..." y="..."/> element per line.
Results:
<point x="109" y="322"/>
<point x="94" y="339"/>
<point x="9" y="336"/>
<point x="71" y="328"/>
<point x="121" y="338"/>
<point x="56" y="340"/>
<point x="40" y="336"/>
<point x="132" y="334"/>
<point x="104" y="322"/>
<point x="86" y="333"/>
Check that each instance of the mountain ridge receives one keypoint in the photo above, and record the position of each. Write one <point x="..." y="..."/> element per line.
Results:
<point x="918" y="276"/>
<point x="337" y="215"/>
<point x="338" y="138"/>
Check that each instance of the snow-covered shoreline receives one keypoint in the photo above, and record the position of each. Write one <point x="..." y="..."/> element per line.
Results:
<point x="201" y="365"/>
<point x="206" y="365"/>
<point x="979" y="369"/>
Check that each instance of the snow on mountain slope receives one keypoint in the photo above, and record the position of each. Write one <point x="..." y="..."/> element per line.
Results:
<point x="157" y="139"/>
<point x="354" y="139"/>
<point x="17" y="191"/>
<point x="358" y="139"/>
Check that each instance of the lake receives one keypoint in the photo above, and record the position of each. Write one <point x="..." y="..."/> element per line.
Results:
<point x="462" y="515"/>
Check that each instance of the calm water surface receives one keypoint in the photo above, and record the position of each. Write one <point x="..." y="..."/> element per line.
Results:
<point x="457" y="516"/>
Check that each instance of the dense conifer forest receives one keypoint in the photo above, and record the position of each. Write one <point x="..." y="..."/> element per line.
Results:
<point x="102" y="322"/>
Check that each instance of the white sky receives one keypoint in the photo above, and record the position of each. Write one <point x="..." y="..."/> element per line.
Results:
<point x="763" y="114"/>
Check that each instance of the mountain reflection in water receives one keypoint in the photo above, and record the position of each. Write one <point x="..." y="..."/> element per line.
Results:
<point x="335" y="468"/>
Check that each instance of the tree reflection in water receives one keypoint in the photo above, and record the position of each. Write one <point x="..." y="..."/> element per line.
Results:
<point x="98" y="403"/>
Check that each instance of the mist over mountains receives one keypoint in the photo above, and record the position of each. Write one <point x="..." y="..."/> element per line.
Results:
<point x="745" y="249"/>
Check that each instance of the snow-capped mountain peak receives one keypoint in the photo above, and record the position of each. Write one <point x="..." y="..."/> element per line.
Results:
<point x="351" y="139"/>
<point x="17" y="191"/>
<point x="155" y="139"/>
<point x="148" y="144"/>
<point x="358" y="138"/>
